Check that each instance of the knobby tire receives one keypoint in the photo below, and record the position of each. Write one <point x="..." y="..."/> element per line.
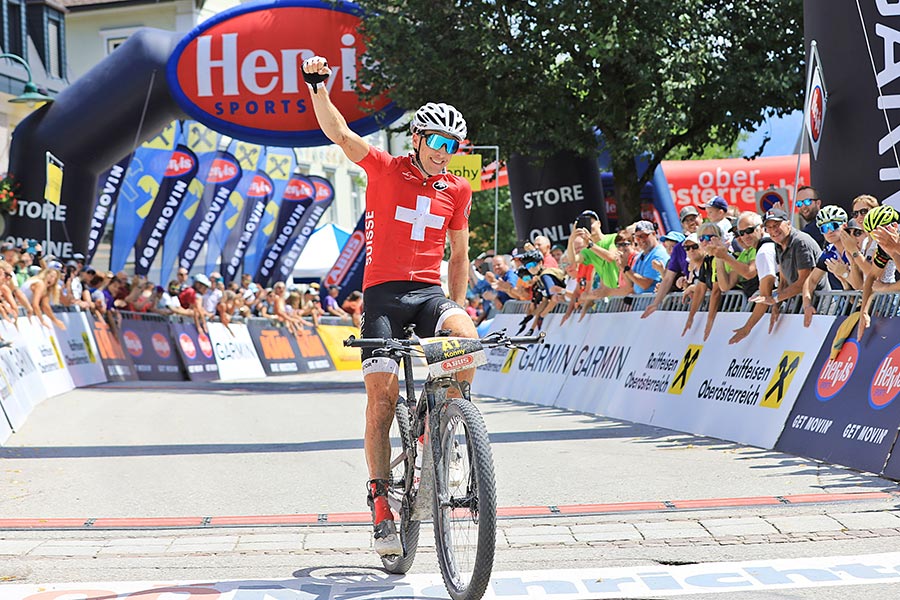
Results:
<point x="466" y="571"/>
<point x="400" y="478"/>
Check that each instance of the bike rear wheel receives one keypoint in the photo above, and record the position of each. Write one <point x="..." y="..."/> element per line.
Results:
<point x="465" y="502"/>
<point x="401" y="471"/>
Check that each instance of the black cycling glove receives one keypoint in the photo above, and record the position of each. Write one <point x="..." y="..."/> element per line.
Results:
<point x="314" y="79"/>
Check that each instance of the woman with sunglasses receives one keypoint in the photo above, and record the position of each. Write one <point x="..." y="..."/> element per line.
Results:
<point x="413" y="206"/>
<point x="861" y="259"/>
<point x="709" y="237"/>
<point x="883" y="226"/>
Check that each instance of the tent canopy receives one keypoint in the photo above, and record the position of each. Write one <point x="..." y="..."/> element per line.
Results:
<point x="321" y="252"/>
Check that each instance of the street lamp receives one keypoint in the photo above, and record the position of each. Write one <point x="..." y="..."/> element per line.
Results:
<point x="32" y="94"/>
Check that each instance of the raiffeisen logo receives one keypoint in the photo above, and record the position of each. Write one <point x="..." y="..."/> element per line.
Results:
<point x="179" y="164"/>
<point x="239" y="72"/>
<point x="836" y="372"/>
<point x="886" y="381"/>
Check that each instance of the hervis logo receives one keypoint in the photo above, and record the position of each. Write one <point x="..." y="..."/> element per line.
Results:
<point x="886" y="382"/>
<point x="179" y="164"/>
<point x="239" y="72"/>
<point x="223" y="169"/>
<point x="260" y="187"/>
<point x="299" y="188"/>
<point x="132" y="343"/>
<point x="161" y="345"/>
<point x="836" y="371"/>
<point x="187" y="346"/>
<point x="205" y="344"/>
<point x="324" y="190"/>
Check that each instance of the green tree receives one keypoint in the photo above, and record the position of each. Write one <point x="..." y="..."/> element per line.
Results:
<point x="481" y="222"/>
<point x="538" y="77"/>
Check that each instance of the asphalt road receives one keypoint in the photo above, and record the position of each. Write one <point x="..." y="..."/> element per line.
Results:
<point x="293" y="445"/>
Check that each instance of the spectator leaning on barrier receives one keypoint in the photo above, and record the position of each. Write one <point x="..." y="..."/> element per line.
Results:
<point x="740" y="271"/>
<point x="796" y="253"/>
<point x="542" y="243"/>
<point x="329" y="303"/>
<point x="540" y="280"/>
<point x="808" y="205"/>
<point x="599" y="249"/>
<point x="881" y="223"/>
<point x="42" y="291"/>
<point x="710" y="238"/>
<point x="191" y="299"/>
<point x="834" y="259"/>
<point x="767" y="273"/>
<point x="863" y="260"/>
<point x="353" y="306"/>
<point x="505" y="280"/>
<point x="676" y="272"/>
<point x="643" y="276"/>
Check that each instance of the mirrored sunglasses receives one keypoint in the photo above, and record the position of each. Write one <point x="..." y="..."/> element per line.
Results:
<point x="806" y="201"/>
<point x="707" y="237"/>
<point x="530" y="265"/>
<point x="747" y="231"/>
<point x="525" y="277"/>
<point x="436" y="141"/>
<point x="830" y="226"/>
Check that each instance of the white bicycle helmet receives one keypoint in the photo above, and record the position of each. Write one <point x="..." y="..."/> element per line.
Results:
<point x="441" y="118"/>
<point x="830" y="213"/>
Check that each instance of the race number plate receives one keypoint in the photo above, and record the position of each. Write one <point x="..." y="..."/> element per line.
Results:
<point x="446" y="355"/>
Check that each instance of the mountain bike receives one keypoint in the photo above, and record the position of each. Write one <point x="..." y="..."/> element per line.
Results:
<point x="441" y="463"/>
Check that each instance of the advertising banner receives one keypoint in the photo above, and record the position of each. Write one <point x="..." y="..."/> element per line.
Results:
<point x="43" y="346"/>
<point x="299" y="194"/>
<point x="324" y="196"/>
<point x="196" y="351"/>
<point x="116" y="362"/>
<point x="234" y="352"/>
<point x="79" y="350"/>
<point x="179" y="173"/>
<point x="139" y="189"/>
<point x="696" y="182"/>
<point x="280" y="163"/>
<point x="344" y="358"/>
<point x="109" y="184"/>
<point x="146" y="339"/>
<point x="250" y="157"/>
<point x="249" y="220"/>
<point x="312" y="350"/>
<point x="547" y="195"/>
<point x="276" y="347"/>
<point x="221" y="179"/>
<point x="347" y="272"/>
<point x="252" y="90"/>
<point x="858" y="147"/>
<point x="846" y="413"/>
<point x="204" y="143"/>
<point x="22" y="387"/>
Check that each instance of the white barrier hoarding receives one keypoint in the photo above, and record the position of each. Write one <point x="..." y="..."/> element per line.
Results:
<point x="79" y="349"/>
<point x="43" y="345"/>
<point x="235" y="353"/>
<point x="644" y="371"/>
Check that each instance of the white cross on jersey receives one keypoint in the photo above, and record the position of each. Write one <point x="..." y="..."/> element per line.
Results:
<point x="420" y="218"/>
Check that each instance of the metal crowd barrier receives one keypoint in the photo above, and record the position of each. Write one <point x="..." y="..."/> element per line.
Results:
<point x="835" y="303"/>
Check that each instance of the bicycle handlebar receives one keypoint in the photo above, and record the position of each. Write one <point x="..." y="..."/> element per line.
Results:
<point x="497" y="338"/>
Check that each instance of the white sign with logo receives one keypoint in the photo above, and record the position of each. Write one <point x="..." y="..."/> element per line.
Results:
<point x="79" y="350"/>
<point x="235" y="353"/>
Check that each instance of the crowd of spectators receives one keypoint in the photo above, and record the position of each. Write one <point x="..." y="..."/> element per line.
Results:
<point x="34" y="283"/>
<point x="719" y="249"/>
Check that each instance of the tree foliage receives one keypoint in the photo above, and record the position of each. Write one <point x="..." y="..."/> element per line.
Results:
<point x="542" y="76"/>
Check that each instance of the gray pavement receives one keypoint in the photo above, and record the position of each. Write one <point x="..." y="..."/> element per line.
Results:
<point x="294" y="445"/>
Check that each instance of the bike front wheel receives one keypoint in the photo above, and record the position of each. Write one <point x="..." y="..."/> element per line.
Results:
<point x="465" y="502"/>
<point x="401" y="471"/>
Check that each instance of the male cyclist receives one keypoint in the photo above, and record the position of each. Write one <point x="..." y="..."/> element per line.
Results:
<point x="412" y="207"/>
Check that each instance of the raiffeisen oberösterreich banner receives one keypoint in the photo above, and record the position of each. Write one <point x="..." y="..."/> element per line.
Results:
<point x="610" y="364"/>
<point x="239" y="72"/>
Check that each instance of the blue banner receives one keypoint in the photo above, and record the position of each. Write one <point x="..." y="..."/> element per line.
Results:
<point x="204" y="143"/>
<point x="250" y="157"/>
<point x="324" y="198"/>
<point x="109" y="184"/>
<point x="847" y="412"/>
<point x="223" y="176"/>
<point x="298" y="196"/>
<point x="139" y="190"/>
<point x="348" y="269"/>
<point x="280" y="163"/>
<point x="181" y="171"/>
<point x="258" y="196"/>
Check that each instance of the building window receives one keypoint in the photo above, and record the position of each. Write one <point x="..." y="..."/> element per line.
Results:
<point x="14" y="29"/>
<point x="54" y="45"/>
<point x="113" y="38"/>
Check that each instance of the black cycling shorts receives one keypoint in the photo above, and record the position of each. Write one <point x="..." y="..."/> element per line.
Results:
<point x="389" y="307"/>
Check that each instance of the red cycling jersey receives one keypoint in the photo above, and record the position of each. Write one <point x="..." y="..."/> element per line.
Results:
<point x="407" y="218"/>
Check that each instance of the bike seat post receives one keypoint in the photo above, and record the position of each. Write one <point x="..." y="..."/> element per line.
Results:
<point x="408" y="378"/>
